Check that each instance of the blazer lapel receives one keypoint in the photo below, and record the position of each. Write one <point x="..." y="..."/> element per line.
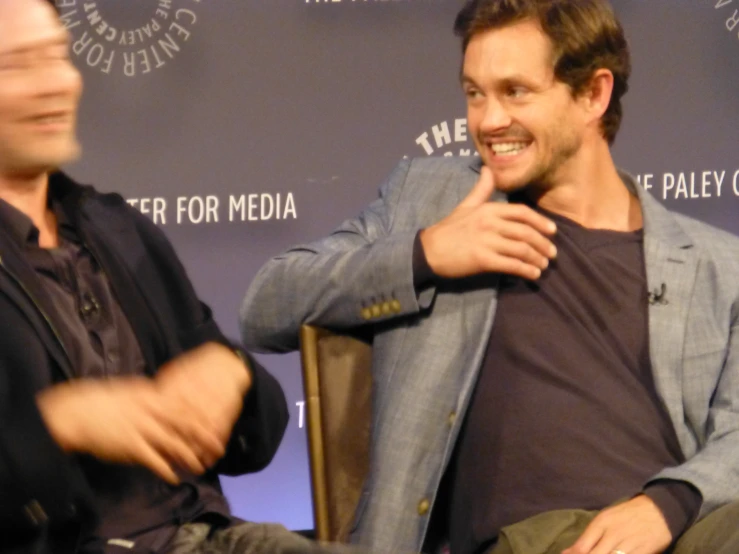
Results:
<point x="479" y="304"/>
<point x="28" y="293"/>
<point x="671" y="262"/>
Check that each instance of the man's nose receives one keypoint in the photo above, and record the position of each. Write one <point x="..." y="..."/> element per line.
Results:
<point x="59" y="79"/>
<point x="496" y="117"/>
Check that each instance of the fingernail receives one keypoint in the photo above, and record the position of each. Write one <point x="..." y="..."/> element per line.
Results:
<point x="553" y="252"/>
<point x="552" y="227"/>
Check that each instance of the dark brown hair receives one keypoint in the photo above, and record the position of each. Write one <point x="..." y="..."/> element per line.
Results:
<point x="585" y="34"/>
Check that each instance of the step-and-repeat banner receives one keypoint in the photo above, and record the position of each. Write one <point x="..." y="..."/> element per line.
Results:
<point x="244" y="126"/>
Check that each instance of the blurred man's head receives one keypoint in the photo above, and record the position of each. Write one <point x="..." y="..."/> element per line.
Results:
<point x="39" y="90"/>
<point x="542" y="78"/>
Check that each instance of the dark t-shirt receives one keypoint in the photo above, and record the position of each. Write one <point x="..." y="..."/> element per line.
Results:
<point x="565" y="413"/>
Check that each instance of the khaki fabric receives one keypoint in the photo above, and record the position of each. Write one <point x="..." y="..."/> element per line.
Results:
<point x="553" y="532"/>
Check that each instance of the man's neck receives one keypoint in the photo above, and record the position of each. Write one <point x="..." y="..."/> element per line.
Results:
<point x="30" y="196"/>
<point x="589" y="191"/>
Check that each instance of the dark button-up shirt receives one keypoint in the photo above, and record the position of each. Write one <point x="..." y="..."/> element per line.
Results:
<point x="100" y="343"/>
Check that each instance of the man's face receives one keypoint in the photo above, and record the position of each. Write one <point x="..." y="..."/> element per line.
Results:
<point x="526" y="124"/>
<point x="39" y="90"/>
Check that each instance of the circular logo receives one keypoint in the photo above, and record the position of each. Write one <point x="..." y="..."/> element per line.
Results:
<point x="131" y="38"/>
<point x="446" y="138"/>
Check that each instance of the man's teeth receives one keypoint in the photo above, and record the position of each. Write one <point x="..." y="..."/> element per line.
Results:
<point x="508" y="148"/>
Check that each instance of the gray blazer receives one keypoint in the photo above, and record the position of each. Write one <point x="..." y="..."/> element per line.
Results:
<point x="428" y="348"/>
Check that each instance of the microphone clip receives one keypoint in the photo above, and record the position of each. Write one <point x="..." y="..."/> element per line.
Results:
<point x="657" y="296"/>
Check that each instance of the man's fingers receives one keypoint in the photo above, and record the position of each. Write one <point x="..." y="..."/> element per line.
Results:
<point x="518" y="250"/>
<point x="510" y="266"/>
<point x="520" y="232"/>
<point x="587" y="541"/>
<point x="524" y="214"/>
<point x="608" y="544"/>
<point x="204" y="440"/>
<point x="482" y="190"/>
<point x="156" y="463"/>
<point x="170" y="445"/>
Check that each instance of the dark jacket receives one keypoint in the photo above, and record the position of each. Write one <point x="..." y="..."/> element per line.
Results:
<point x="45" y="501"/>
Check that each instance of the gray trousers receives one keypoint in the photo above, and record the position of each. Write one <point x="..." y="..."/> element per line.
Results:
<point x="553" y="532"/>
<point x="250" y="538"/>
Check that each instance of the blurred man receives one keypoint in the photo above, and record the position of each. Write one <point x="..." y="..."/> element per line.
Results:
<point x="547" y="338"/>
<point x="120" y="399"/>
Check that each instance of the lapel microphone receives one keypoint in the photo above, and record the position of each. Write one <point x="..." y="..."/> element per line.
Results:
<point x="657" y="296"/>
<point x="89" y="306"/>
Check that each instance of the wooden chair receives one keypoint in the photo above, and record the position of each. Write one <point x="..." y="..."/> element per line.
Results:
<point x="337" y="380"/>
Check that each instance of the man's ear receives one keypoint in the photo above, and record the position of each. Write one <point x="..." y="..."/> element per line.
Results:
<point x="596" y="97"/>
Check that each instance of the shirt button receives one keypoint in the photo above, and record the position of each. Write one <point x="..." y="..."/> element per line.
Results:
<point x="452" y="418"/>
<point x="35" y="513"/>
<point x="423" y="507"/>
<point x="112" y="358"/>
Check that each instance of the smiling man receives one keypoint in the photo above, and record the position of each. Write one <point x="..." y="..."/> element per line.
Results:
<point x="555" y="355"/>
<point x="120" y="399"/>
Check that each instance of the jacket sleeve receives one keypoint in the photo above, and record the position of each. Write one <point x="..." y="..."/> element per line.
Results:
<point x="259" y="430"/>
<point x="360" y="274"/>
<point x="41" y="486"/>
<point x="714" y="469"/>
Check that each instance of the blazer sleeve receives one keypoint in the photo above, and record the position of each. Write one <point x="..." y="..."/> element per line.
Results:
<point x="360" y="274"/>
<point x="714" y="469"/>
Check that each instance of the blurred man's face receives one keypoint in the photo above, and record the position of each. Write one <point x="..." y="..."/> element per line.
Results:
<point x="39" y="90"/>
<point x="525" y="123"/>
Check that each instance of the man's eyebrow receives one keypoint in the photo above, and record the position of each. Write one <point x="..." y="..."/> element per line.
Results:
<point x="466" y="79"/>
<point x="60" y="39"/>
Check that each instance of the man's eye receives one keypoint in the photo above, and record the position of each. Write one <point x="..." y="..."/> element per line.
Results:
<point x="517" y="92"/>
<point x="472" y="93"/>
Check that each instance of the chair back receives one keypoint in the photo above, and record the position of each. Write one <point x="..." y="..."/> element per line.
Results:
<point x="337" y="380"/>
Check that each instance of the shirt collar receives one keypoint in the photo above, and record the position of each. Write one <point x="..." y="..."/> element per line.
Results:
<point x="20" y="227"/>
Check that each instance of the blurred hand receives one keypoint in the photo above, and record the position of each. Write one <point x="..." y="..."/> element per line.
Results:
<point x="117" y="420"/>
<point x="205" y="387"/>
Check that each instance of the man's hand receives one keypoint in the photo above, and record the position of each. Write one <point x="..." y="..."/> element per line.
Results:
<point x="117" y="420"/>
<point x="480" y="236"/>
<point x="634" y="527"/>
<point x="205" y="387"/>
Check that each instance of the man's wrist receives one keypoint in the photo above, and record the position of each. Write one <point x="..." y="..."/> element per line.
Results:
<point x="422" y="272"/>
<point x="249" y="376"/>
<point x="678" y="501"/>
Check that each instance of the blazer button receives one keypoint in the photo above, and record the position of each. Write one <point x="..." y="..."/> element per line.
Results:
<point x="386" y="308"/>
<point x="366" y="313"/>
<point x="395" y="306"/>
<point x="423" y="507"/>
<point x="376" y="311"/>
<point x="452" y="418"/>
